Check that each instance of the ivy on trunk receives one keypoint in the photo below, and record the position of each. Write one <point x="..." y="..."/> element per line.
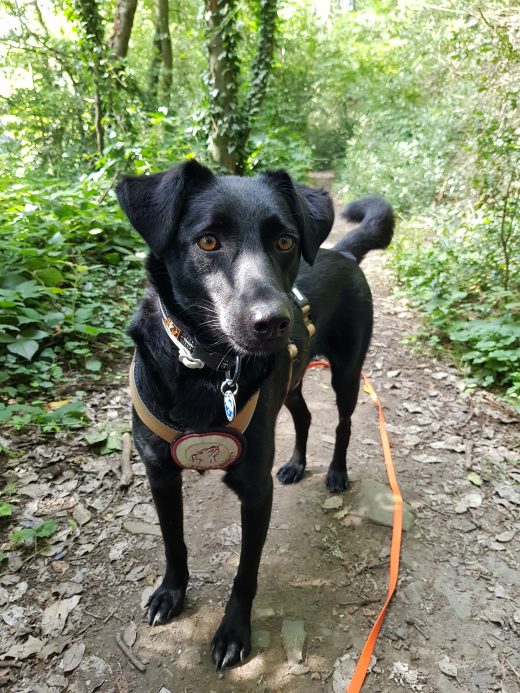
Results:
<point x="231" y="114"/>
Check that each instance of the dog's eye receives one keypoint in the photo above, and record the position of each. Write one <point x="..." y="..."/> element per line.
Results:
<point x="207" y="242"/>
<point x="285" y="243"/>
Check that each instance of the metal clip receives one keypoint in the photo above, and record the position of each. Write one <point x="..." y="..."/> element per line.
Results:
<point x="229" y="389"/>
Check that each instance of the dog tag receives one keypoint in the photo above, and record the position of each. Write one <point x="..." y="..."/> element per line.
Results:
<point x="230" y="406"/>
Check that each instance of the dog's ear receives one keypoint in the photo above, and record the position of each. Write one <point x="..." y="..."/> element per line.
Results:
<point x="154" y="204"/>
<point x="312" y="210"/>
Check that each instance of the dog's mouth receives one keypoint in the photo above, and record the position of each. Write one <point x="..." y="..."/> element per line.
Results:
<point x="259" y="348"/>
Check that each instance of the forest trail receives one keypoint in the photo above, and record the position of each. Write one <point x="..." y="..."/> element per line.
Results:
<point x="452" y="626"/>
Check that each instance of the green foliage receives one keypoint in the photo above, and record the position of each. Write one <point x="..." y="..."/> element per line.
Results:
<point x="6" y="509"/>
<point x="454" y="277"/>
<point x="439" y="138"/>
<point x="419" y="103"/>
<point x="30" y="535"/>
<point x="72" y="270"/>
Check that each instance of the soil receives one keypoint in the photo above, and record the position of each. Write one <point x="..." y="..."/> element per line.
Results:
<point x="452" y="626"/>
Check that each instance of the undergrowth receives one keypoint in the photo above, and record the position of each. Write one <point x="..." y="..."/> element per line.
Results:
<point x="71" y="274"/>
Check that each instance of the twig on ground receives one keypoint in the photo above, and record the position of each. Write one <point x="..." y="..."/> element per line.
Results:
<point x="128" y="652"/>
<point x="363" y="602"/>
<point x="515" y="672"/>
<point x="127" y="473"/>
<point x="468" y="452"/>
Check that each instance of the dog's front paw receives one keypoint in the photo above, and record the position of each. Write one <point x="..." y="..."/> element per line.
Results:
<point x="164" y="604"/>
<point x="336" y="481"/>
<point x="291" y="473"/>
<point x="231" y="644"/>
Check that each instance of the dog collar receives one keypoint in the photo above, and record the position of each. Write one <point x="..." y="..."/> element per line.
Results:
<point x="191" y="352"/>
<point x="193" y="355"/>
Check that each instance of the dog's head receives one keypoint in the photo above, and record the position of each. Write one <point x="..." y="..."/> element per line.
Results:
<point x="231" y="246"/>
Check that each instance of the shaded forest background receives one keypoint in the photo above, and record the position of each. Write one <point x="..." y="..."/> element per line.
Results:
<point x="417" y="101"/>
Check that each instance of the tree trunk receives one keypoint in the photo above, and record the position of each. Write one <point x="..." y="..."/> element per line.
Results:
<point x="166" y="48"/>
<point x="123" y="22"/>
<point x="155" y="69"/>
<point x="92" y="24"/>
<point x="224" y="73"/>
<point x="231" y="119"/>
<point x="260" y="74"/>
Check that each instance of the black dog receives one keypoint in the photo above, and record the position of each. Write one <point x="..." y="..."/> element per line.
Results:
<point x="225" y="254"/>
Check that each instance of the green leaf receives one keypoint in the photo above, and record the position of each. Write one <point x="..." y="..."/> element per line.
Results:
<point x="50" y="276"/>
<point x="93" y="364"/>
<point x="46" y="529"/>
<point x="474" y="478"/>
<point x="20" y="536"/>
<point x="6" y="509"/>
<point x="24" y="347"/>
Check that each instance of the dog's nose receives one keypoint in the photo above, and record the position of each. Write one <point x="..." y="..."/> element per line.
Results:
<point x="270" y="323"/>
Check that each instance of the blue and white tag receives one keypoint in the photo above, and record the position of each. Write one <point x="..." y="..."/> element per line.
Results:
<point x="230" y="406"/>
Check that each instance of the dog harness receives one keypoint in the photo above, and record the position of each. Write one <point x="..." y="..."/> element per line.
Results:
<point x="216" y="449"/>
<point x="221" y="447"/>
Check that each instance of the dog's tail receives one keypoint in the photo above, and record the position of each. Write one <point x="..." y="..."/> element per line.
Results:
<point x="376" y="227"/>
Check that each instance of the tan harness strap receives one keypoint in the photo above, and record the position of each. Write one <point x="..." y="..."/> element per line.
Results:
<point x="240" y="423"/>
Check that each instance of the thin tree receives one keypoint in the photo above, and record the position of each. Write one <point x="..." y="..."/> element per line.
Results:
<point x="92" y="24"/>
<point x="232" y="117"/>
<point x="123" y="23"/>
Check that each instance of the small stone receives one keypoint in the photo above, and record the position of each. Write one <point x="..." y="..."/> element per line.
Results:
<point x="375" y="501"/>
<point x="342" y="672"/>
<point x="332" y="503"/>
<point x="264" y="612"/>
<point x="293" y="637"/>
<point x="260" y="639"/>
<point x="189" y="657"/>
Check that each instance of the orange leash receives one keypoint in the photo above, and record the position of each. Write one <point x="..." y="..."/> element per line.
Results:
<point x="360" y="672"/>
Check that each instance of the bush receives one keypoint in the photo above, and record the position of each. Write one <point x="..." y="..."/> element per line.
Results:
<point x="71" y="272"/>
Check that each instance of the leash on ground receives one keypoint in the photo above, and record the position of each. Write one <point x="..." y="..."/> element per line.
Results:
<point x="363" y="664"/>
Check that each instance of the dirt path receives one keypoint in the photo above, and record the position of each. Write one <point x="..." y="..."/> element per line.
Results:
<point x="453" y="625"/>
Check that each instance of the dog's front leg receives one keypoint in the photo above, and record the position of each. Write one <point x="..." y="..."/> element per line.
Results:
<point x="232" y="641"/>
<point x="168" y="599"/>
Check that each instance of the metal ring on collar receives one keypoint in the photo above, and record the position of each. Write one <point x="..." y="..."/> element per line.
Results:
<point x="227" y="385"/>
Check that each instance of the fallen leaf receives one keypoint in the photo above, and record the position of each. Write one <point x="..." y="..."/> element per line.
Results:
<point x="508" y="492"/>
<point x="73" y="656"/>
<point x="446" y="666"/>
<point x="472" y="499"/>
<point x="474" y="478"/>
<point x="23" y="650"/>
<point x="81" y="514"/>
<point x="117" y="550"/>
<point x="13" y="615"/>
<point x="504" y="537"/>
<point x="55" y="615"/>
<point x="51" y="406"/>
<point x="130" y="634"/>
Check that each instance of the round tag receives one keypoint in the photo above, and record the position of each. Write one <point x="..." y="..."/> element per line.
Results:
<point x="211" y="450"/>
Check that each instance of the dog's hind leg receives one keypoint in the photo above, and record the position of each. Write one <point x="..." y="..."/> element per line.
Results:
<point x="293" y="471"/>
<point x="346" y="387"/>
<point x="168" y="599"/>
